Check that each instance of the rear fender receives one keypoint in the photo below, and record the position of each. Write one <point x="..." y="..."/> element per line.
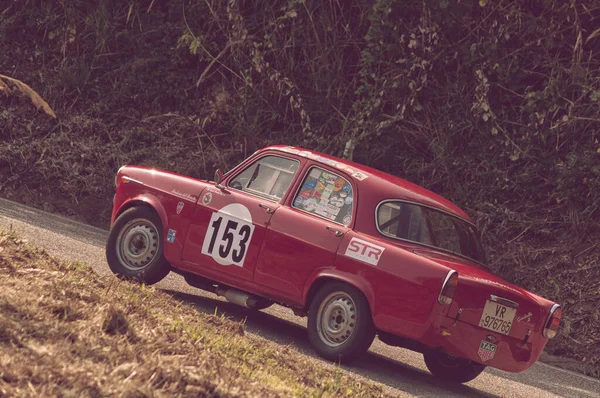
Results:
<point x="332" y="274"/>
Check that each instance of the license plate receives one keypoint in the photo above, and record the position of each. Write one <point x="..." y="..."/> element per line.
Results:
<point x="497" y="317"/>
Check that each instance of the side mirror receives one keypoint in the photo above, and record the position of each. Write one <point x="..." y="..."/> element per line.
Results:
<point x="218" y="177"/>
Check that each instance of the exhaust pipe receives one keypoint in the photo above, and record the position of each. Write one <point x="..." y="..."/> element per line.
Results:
<point x="232" y="295"/>
<point x="238" y="297"/>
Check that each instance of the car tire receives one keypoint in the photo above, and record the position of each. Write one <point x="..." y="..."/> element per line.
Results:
<point x="447" y="367"/>
<point x="135" y="246"/>
<point x="340" y="326"/>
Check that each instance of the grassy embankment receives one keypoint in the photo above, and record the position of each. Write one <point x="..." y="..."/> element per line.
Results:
<point x="65" y="331"/>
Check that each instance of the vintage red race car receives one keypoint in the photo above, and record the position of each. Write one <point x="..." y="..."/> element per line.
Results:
<point x="359" y="251"/>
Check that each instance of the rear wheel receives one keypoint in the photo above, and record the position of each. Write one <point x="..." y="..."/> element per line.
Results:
<point x="135" y="246"/>
<point x="340" y="326"/>
<point x="448" y="367"/>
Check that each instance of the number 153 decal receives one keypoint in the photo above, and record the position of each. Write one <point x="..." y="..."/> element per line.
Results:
<point x="228" y="235"/>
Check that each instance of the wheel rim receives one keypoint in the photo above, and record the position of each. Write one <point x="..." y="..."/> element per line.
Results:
<point x="137" y="244"/>
<point x="336" y="319"/>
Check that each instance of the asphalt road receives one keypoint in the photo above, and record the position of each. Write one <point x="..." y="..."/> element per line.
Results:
<point x="401" y="372"/>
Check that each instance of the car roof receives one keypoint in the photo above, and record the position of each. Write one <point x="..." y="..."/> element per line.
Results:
<point x="385" y="185"/>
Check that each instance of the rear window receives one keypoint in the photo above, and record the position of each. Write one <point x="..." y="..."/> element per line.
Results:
<point x="421" y="224"/>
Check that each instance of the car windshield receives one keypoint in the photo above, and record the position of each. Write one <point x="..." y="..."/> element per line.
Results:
<point x="434" y="228"/>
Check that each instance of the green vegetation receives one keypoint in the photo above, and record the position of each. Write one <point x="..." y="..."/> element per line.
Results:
<point x="494" y="104"/>
<point x="65" y="331"/>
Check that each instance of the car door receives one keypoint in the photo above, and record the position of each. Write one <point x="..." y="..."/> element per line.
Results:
<point x="305" y="235"/>
<point x="230" y="221"/>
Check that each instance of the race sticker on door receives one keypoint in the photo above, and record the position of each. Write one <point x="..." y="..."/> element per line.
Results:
<point x="228" y="235"/>
<point x="486" y="350"/>
<point x="365" y="251"/>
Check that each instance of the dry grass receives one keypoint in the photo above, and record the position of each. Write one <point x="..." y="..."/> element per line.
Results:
<point x="65" y="331"/>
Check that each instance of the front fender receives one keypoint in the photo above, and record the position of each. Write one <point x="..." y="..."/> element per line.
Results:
<point x="145" y="199"/>
<point x="324" y="274"/>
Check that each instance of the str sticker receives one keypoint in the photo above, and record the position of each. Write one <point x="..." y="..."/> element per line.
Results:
<point x="171" y="236"/>
<point x="179" y="207"/>
<point x="486" y="350"/>
<point x="364" y="251"/>
<point x="207" y="198"/>
<point x="228" y="235"/>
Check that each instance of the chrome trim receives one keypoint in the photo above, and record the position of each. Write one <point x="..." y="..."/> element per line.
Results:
<point x="354" y="206"/>
<point x="503" y="301"/>
<point x="458" y="314"/>
<point x="420" y="243"/>
<point x="450" y="273"/>
<point x="552" y="311"/>
<point x="117" y="175"/>
<point x="133" y="180"/>
<point x="336" y="231"/>
<point x="267" y="208"/>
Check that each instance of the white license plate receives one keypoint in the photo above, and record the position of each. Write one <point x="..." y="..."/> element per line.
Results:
<point x="497" y="317"/>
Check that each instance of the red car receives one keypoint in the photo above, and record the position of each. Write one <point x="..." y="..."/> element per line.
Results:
<point x="359" y="251"/>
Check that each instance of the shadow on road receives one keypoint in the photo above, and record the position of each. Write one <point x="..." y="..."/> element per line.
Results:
<point x="372" y="366"/>
<point x="553" y="380"/>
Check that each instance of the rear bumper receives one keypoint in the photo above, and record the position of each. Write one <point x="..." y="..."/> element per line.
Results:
<point x="463" y="340"/>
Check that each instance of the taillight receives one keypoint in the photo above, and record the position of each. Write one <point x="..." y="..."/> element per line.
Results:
<point x="448" y="288"/>
<point x="553" y="322"/>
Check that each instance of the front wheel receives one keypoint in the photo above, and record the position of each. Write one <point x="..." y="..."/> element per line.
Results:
<point x="448" y="367"/>
<point x="340" y="326"/>
<point x="135" y="246"/>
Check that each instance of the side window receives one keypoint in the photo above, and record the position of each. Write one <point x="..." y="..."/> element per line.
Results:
<point x="428" y="226"/>
<point x="268" y="177"/>
<point x="405" y="221"/>
<point x="326" y="195"/>
<point x="419" y="224"/>
<point x="444" y="230"/>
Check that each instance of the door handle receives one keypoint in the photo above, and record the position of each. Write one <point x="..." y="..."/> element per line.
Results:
<point x="268" y="209"/>
<point x="336" y="231"/>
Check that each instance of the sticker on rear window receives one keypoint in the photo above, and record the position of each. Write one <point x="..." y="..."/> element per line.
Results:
<point x="228" y="235"/>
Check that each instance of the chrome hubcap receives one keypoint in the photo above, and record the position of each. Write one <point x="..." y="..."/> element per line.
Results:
<point x="336" y="319"/>
<point x="137" y="244"/>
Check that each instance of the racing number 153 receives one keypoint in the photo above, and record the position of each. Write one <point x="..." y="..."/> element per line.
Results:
<point x="227" y="239"/>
